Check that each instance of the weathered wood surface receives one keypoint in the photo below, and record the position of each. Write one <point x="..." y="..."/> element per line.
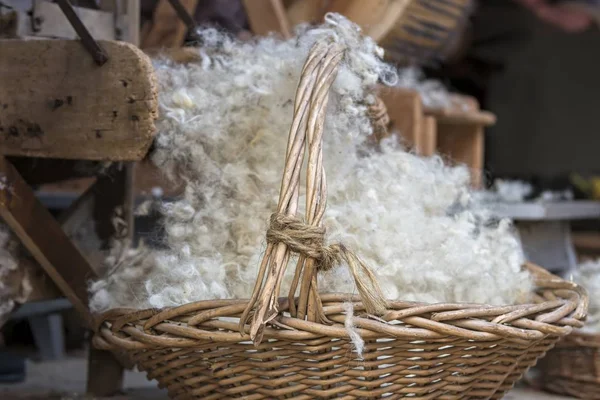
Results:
<point x="43" y="237"/>
<point x="56" y="102"/>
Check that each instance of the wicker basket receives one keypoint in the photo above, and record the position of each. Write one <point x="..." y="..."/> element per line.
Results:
<point x="573" y="366"/>
<point x="300" y="347"/>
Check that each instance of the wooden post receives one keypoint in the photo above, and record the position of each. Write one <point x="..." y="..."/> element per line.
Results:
<point x="105" y="369"/>
<point x="427" y="143"/>
<point x="406" y="113"/>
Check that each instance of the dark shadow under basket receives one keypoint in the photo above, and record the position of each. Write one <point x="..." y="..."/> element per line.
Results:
<point x="300" y="347"/>
<point x="573" y="367"/>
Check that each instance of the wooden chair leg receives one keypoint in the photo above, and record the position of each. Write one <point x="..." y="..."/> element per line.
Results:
<point x="105" y="373"/>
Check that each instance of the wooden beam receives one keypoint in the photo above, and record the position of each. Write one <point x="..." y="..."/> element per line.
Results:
<point x="43" y="237"/>
<point x="484" y="118"/>
<point x="64" y="106"/>
<point x="166" y="28"/>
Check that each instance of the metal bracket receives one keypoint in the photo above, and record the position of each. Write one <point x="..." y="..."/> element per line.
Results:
<point x="90" y="44"/>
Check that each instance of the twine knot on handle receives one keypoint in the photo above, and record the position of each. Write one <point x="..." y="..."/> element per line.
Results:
<point x="309" y="241"/>
<point x="287" y="233"/>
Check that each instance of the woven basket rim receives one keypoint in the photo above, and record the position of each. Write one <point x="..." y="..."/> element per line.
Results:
<point x="559" y="307"/>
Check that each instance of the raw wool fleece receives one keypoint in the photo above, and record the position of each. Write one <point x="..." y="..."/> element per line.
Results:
<point x="8" y="266"/>
<point x="588" y="276"/>
<point x="223" y="130"/>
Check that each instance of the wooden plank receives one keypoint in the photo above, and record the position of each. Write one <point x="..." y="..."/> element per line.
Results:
<point x="427" y="141"/>
<point x="463" y="144"/>
<point x="406" y="113"/>
<point x="484" y="118"/>
<point x="64" y="106"/>
<point x="49" y="21"/>
<point x="267" y="16"/>
<point x="167" y="29"/>
<point x="41" y="234"/>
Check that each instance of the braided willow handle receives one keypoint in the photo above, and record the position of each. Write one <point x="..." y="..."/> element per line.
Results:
<point x="288" y="234"/>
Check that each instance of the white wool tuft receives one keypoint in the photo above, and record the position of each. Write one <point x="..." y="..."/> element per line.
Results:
<point x="223" y="130"/>
<point x="8" y="265"/>
<point x="588" y="276"/>
<point x="355" y="338"/>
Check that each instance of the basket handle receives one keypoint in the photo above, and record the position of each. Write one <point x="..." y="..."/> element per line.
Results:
<point x="287" y="233"/>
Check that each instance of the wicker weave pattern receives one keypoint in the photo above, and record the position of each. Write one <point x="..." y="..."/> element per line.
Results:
<point x="573" y="367"/>
<point x="298" y="347"/>
<point x="415" y="350"/>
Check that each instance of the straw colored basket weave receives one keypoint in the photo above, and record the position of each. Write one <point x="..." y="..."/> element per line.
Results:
<point x="301" y="346"/>
<point x="573" y="366"/>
